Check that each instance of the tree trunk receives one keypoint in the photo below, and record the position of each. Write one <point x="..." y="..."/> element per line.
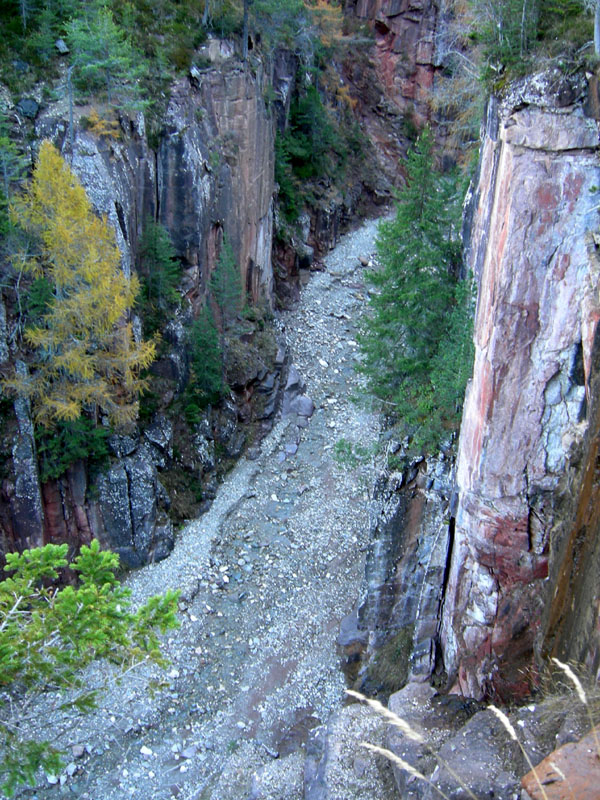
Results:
<point x="247" y="4"/>
<point x="206" y="15"/>
<point x="70" y="93"/>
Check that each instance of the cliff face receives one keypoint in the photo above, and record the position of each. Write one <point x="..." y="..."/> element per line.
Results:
<point x="213" y="171"/>
<point x="212" y="174"/>
<point x="405" y="49"/>
<point x="522" y="577"/>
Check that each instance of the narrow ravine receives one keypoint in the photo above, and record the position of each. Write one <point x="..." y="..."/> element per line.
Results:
<point x="266" y="577"/>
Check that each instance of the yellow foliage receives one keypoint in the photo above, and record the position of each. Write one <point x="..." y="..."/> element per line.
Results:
<point x="86" y="354"/>
<point x="102" y="126"/>
<point x="344" y="96"/>
<point x="328" y="19"/>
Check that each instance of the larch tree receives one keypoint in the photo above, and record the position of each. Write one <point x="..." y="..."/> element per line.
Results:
<point x="85" y="358"/>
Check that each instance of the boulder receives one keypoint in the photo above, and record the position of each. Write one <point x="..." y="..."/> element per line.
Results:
<point x="28" y="107"/>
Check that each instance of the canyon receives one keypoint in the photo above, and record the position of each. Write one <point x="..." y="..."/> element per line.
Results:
<point x="468" y="569"/>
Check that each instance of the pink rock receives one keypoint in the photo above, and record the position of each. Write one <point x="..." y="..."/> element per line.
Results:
<point x="536" y="320"/>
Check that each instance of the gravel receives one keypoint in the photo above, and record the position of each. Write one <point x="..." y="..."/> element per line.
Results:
<point x="265" y="577"/>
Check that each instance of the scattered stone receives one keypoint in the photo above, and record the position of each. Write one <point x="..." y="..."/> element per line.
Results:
<point x="146" y="751"/>
<point x="78" y="750"/>
<point x="61" y="46"/>
<point x="303" y="406"/>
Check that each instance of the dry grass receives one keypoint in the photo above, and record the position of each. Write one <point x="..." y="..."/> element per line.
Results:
<point x="589" y="701"/>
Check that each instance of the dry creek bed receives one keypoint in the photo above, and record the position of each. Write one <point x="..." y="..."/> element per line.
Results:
<point x="265" y="577"/>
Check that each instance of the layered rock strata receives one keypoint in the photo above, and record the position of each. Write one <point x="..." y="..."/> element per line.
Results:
<point x="521" y="583"/>
<point x="211" y="176"/>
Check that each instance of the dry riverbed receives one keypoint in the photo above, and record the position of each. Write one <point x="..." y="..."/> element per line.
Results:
<point x="266" y="577"/>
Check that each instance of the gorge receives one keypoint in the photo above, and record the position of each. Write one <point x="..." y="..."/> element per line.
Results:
<point x="467" y="569"/>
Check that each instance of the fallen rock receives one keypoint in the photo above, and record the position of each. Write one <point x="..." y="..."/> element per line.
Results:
<point x="303" y="406"/>
<point x="28" y="107"/>
<point x="571" y="771"/>
<point x="482" y="758"/>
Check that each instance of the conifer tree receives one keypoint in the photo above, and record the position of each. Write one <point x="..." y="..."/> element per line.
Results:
<point x="227" y="295"/>
<point x="48" y="634"/>
<point x="205" y="385"/>
<point x="161" y="273"/>
<point x="104" y="59"/>
<point x="226" y="285"/>
<point x="84" y="353"/>
<point x="411" y="327"/>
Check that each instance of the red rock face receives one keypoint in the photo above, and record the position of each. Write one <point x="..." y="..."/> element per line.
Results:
<point x="529" y="418"/>
<point x="404" y="50"/>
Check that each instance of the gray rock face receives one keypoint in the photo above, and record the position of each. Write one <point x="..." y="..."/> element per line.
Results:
<point x="26" y="499"/>
<point x="405" y="567"/>
<point x="213" y="173"/>
<point x="128" y="512"/>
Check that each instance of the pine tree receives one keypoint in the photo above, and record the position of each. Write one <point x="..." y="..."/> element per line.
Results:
<point x="104" y="59"/>
<point x="226" y="285"/>
<point x="226" y="292"/>
<point x="85" y="356"/>
<point x="161" y="273"/>
<point x="205" y="385"/>
<point x="415" y="297"/>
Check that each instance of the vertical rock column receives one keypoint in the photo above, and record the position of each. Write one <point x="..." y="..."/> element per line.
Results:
<point x="528" y="423"/>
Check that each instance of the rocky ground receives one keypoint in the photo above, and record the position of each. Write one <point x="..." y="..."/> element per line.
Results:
<point x="266" y="577"/>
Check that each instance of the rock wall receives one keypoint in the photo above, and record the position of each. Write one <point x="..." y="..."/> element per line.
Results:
<point x="523" y="577"/>
<point x="392" y="636"/>
<point x="212" y="175"/>
<point x="405" y="49"/>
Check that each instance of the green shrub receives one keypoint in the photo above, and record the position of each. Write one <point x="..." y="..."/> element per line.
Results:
<point x="49" y="633"/>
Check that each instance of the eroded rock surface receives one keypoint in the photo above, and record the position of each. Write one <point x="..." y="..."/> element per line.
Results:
<point x="530" y="421"/>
